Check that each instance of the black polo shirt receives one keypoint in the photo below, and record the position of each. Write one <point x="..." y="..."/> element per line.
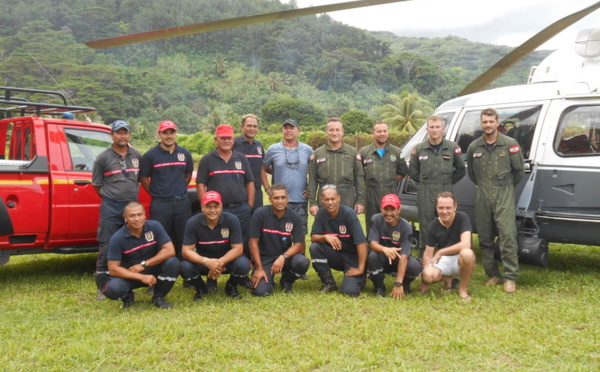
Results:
<point x="116" y="176"/>
<point x="442" y="237"/>
<point x="275" y="235"/>
<point x="227" y="178"/>
<point x="345" y="226"/>
<point x="254" y="153"/>
<point x="167" y="170"/>
<point x="397" y="236"/>
<point x="131" y="250"/>
<point x="213" y="243"/>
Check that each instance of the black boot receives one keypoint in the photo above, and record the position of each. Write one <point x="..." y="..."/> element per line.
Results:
<point x="328" y="282"/>
<point x="406" y="284"/>
<point x="231" y="288"/>
<point x="101" y="280"/>
<point x="200" y="287"/>
<point x="378" y="283"/>
<point x="287" y="282"/>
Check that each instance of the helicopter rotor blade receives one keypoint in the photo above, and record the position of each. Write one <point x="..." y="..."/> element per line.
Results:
<point x="229" y="23"/>
<point x="525" y="49"/>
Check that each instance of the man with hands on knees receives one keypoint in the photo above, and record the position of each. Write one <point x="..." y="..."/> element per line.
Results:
<point x="339" y="243"/>
<point x="389" y="240"/>
<point x="140" y="254"/>
<point x="276" y="244"/>
<point x="451" y="233"/>
<point x="212" y="246"/>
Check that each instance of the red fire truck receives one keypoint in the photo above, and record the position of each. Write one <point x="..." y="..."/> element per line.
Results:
<point x="48" y="202"/>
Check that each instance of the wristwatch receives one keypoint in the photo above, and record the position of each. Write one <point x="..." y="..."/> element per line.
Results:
<point x="143" y="263"/>
<point x="398" y="284"/>
<point x="285" y="256"/>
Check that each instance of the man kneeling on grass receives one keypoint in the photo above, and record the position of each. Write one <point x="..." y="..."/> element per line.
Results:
<point x="339" y="243"/>
<point x="451" y="233"/>
<point x="276" y="244"/>
<point x="140" y="254"/>
<point x="389" y="239"/>
<point x="212" y="246"/>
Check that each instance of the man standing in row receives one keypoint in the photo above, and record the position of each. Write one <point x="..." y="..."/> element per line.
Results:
<point x="287" y="161"/>
<point x="435" y="165"/>
<point x="336" y="163"/>
<point x="140" y="254"/>
<point x="339" y="243"/>
<point x="496" y="165"/>
<point x="165" y="173"/>
<point x="389" y="240"/>
<point x="248" y="145"/>
<point x="276" y="244"/>
<point x="384" y="168"/>
<point x="212" y="246"/>
<point x="228" y="172"/>
<point x="450" y="232"/>
<point x="115" y="178"/>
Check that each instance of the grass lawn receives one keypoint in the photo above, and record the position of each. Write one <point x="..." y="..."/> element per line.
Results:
<point x="52" y="322"/>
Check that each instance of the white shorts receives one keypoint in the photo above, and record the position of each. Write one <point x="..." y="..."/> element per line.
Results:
<point x="448" y="265"/>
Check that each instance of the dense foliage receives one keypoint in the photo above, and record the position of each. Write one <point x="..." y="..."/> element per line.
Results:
<point x="307" y="68"/>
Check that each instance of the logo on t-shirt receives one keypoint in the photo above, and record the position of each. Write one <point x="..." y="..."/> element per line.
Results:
<point x="149" y="236"/>
<point x="238" y="165"/>
<point x="225" y="233"/>
<point x="259" y="150"/>
<point x="396" y="236"/>
<point x="342" y="229"/>
<point x="180" y="156"/>
<point x="289" y="226"/>
<point x="135" y="162"/>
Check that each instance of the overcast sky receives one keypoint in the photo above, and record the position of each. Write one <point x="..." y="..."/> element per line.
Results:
<point x="501" y="22"/>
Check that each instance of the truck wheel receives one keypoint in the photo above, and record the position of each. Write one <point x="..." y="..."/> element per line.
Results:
<point x="414" y="240"/>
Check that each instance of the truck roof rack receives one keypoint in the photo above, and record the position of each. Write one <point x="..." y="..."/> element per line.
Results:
<point x="18" y="106"/>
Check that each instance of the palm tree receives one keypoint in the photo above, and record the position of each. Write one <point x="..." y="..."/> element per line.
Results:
<point x="407" y="112"/>
<point x="221" y="65"/>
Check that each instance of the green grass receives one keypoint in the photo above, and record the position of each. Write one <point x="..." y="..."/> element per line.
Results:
<point x="52" y="322"/>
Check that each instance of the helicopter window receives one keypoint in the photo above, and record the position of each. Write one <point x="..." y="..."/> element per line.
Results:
<point x="579" y="132"/>
<point x="516" y="122"/>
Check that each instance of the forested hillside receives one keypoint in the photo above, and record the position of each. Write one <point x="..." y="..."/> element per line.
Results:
<point x="307" y="68"/>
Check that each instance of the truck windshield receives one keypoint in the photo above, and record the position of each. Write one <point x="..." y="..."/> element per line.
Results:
<point x="84" y="146"/>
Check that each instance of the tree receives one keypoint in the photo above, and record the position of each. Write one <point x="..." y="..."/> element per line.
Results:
<point x="356" y="121"/>
<point x="307" y="114"/>
<point x="407" y="112"/>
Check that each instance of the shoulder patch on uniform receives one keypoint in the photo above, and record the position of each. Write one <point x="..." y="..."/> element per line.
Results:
<point x="367" y="161"/>
<point x="393" y="158"/>
<point x="457" y="150"/>
<point x="358" y="157"/>
<point x="321" y="160"/>
<point x="514" y="149"/>
<point x="477" y="154"/>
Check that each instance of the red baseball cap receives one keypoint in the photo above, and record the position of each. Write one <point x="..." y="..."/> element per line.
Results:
<point x="166" y="124"/>
<point x="211" y="196"/>
<point x="224" y="130"/>
<point x="390" y="200"/>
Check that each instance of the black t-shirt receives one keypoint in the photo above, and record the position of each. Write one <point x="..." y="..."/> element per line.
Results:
<point x="275" y="234"/>
<point x="227" y="178"/>
<point x="254" y="153"/>
<point x="442" y="237"/>
<point x="345" y="226"/>
<point x="131" y="250"/>
<point x="213" y="243"/>
<point x="167" y="170"/>
<point x="397" y="236"/>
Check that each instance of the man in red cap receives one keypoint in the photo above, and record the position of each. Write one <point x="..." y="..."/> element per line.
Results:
<point x="212" y="246"/>
<point x="450" y="232"/>
<point x="228" y="172"/>
<point x="389" y="239"/>
<point x="165" y="172"/>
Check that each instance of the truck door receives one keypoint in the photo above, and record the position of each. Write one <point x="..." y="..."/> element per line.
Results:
<point x="79" y="211"/>
<point x="24" y="185"/>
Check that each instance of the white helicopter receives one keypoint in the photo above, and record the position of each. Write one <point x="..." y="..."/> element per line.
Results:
<point x="555" y="118"/>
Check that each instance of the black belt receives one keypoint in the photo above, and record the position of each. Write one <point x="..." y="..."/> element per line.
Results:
<point x="232" y="205"/>
<point x="179" y="197"/>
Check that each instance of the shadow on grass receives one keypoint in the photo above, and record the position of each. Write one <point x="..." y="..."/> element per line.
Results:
<point x="45" y="265"/>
